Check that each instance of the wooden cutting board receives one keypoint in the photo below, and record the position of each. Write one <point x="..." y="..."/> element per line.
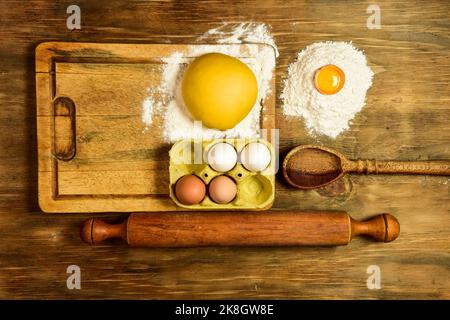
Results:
<point x="93" y="150"/>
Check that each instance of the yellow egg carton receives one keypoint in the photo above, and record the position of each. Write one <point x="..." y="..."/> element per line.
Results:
<point x="255" y="190"/>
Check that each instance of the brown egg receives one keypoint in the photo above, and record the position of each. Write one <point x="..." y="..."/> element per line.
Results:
<point x="190" y="189"/>
<point x="222" y="189"/>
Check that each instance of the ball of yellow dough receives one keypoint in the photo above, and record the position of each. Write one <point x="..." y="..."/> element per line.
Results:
<point x="219" y="90"/>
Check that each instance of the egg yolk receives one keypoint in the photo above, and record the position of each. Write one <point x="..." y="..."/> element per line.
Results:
<point x="329" y="79"/>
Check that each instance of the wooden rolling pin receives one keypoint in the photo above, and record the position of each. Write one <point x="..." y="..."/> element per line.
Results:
<point x="275" y="228"/>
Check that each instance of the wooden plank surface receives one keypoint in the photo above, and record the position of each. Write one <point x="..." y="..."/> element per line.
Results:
<point x="406" y="118"/>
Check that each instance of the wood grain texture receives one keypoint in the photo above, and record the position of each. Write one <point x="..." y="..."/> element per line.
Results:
<point x="406" y="118"/>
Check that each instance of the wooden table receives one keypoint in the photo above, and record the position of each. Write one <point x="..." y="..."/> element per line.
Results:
<point x="407" y="117"/>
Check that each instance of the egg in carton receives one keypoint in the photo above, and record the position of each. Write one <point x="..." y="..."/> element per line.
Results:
<point x="222" y="174"/>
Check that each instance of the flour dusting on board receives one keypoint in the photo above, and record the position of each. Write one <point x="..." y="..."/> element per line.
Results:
<point x="326" y="114"/>
<point x="166" y="99"/>
<point x="148" y="106"/>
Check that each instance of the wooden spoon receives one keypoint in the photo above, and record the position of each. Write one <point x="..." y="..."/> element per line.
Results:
<point x="309" y="167"/>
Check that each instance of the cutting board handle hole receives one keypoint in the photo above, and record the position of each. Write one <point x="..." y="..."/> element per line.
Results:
<point x="64" y="147"/>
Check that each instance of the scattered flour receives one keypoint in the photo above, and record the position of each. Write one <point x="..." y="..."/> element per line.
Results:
<point x="248" y="32"/>
<point x="167" y="101"/>
<point x="326" y="114"/>
<point x="147" y="111"/>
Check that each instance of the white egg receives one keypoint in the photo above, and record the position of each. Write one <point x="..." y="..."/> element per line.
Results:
<point x="222" y="157"/>
<point x="255" y="156"/>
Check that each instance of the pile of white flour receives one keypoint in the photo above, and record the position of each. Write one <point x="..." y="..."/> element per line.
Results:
<point x="326" y="114"/>
<point x="166" y="99"/>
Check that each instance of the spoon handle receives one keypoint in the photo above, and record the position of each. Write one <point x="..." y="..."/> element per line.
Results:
<point x="436" y="167"/>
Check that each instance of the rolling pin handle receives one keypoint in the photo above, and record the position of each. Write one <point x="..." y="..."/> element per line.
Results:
<point x="94" y="231"/>
<point x="383" y="228"/>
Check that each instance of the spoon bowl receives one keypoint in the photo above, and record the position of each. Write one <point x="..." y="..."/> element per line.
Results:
<point x="310" y="167"/>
